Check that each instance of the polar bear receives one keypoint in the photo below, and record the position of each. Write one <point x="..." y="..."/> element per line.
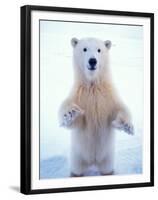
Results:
<point x="93" y="108"/>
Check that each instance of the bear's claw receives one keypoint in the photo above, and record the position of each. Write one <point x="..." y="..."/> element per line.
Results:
<point x="68" y="118"/>
<point x="71" y="115"/>
<point x="127" y="127"/>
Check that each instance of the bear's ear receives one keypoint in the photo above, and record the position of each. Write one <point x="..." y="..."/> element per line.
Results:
<point x="74" y="42"/>
<point x="108" y="44"/>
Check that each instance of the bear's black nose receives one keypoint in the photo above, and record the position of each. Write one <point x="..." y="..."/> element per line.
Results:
<point x="92" y="63"/>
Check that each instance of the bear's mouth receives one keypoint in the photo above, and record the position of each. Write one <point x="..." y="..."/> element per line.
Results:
<point x="92" y="68"/>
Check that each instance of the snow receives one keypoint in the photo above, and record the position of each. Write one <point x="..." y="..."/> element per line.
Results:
<point x="56" y="77"/>
<point x="128" y="160"/>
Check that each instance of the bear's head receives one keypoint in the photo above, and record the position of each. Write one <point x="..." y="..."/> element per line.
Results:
<point x="90" y="57"/>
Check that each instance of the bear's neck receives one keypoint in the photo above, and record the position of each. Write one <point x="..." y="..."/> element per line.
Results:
<point x="102" y="79"/>
<point x="97" y="83"/>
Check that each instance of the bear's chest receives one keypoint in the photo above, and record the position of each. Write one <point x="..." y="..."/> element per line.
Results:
<point x="97" y="105"/>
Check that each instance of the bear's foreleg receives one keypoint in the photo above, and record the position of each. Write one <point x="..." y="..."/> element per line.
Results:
<point x="123" y="122"/>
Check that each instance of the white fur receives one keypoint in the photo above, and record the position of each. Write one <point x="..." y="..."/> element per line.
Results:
<point x="93" y="109"/>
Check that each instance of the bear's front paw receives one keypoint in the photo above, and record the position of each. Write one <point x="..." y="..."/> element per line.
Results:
<point x="123" y="125"/>
<point x="71" y="115"/>
<point x="128" y="128"/>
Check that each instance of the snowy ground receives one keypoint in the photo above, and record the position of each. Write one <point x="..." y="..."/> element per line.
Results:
<point x="128" y="160"/>
<point x="56" y="80"/>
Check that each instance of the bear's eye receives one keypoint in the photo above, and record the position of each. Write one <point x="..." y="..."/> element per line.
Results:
<point x="85" y="49"/>
<point x="99" y="50"/>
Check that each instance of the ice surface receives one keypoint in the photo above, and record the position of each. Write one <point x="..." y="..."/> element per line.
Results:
<point x="128" y="160"/>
